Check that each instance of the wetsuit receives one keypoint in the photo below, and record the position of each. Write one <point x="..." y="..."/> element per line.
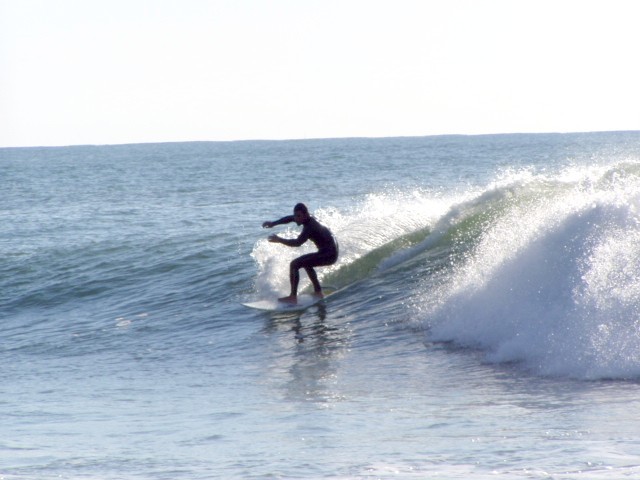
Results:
<point x="323" y="239"/>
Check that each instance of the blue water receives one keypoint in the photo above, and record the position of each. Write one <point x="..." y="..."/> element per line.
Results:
<point x="490" y="328"/>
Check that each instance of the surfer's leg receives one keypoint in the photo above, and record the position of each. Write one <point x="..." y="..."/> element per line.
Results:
<point x="294" y="278"/>
<point x="314" y="280"/>
<point x="306" y="262"/>
<point x="311" y="260"/>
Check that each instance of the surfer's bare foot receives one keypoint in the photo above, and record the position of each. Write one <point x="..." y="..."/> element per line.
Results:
<point x="318" y="294"/>
<point x="292" y="299"/>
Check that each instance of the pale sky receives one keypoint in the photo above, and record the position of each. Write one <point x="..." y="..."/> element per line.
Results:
<point x="128" y="71"/>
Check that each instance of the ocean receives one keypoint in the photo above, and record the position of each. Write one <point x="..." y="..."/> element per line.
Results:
<point x="488" y="326"/>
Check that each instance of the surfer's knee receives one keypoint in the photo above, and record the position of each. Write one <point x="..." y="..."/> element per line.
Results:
<point x="298" y="263"/>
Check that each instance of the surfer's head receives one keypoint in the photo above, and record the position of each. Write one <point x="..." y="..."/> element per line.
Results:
<point x="301" y="213"/>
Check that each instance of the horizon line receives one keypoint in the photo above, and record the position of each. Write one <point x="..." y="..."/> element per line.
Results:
<point x="302" y="139"/>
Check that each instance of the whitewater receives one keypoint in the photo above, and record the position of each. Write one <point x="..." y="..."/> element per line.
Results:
<point x="488" y="323"/>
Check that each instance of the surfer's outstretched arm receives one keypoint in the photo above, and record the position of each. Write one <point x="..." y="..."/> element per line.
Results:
<point x="282" y="221"/>
<point x="285" y="241"/>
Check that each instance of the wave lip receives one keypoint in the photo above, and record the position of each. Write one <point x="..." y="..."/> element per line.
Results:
<point x="551" y="279"/>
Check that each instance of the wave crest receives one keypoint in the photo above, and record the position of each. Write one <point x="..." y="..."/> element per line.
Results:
<point x="552" y="280"/>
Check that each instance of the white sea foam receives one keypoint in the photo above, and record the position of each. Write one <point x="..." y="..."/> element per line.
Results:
<point x="553" y="282"/>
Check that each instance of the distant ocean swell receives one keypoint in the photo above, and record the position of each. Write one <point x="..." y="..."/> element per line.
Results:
<point x="540" y="270"/>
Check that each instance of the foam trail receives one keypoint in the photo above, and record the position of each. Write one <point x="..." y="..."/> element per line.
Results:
<point x="553" y="280"/>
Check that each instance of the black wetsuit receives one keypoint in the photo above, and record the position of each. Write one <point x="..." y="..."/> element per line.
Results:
<point x="319" y="234"/>
<point x="322" y="237"/>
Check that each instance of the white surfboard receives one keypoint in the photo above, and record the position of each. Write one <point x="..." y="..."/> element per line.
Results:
<point x="305" y="301"/>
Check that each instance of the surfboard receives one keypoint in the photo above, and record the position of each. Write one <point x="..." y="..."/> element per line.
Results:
<point x="305" y="301"/>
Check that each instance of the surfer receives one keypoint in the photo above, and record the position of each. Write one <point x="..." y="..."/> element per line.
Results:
<point x="320" y="235"/>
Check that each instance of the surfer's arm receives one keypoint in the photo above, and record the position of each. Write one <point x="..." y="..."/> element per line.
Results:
<point x="291" y="242"/>
<point x="283" y="220"/>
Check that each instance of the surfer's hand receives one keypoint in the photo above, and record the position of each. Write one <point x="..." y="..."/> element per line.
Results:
<point x="273" y="238"/>
<point x="267" y="225"/>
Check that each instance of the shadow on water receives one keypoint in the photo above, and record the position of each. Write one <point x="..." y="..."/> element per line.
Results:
<point x="317" y="331"/>
<point x="308" y="364"/>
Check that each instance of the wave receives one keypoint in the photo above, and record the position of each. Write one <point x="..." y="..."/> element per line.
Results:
<point x="541" y="270"/>
<point x="548" y="276"/>
<point x="112" y="277"/>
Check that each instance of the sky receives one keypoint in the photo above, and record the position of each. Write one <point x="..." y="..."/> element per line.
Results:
<point x="136" y="71"/>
